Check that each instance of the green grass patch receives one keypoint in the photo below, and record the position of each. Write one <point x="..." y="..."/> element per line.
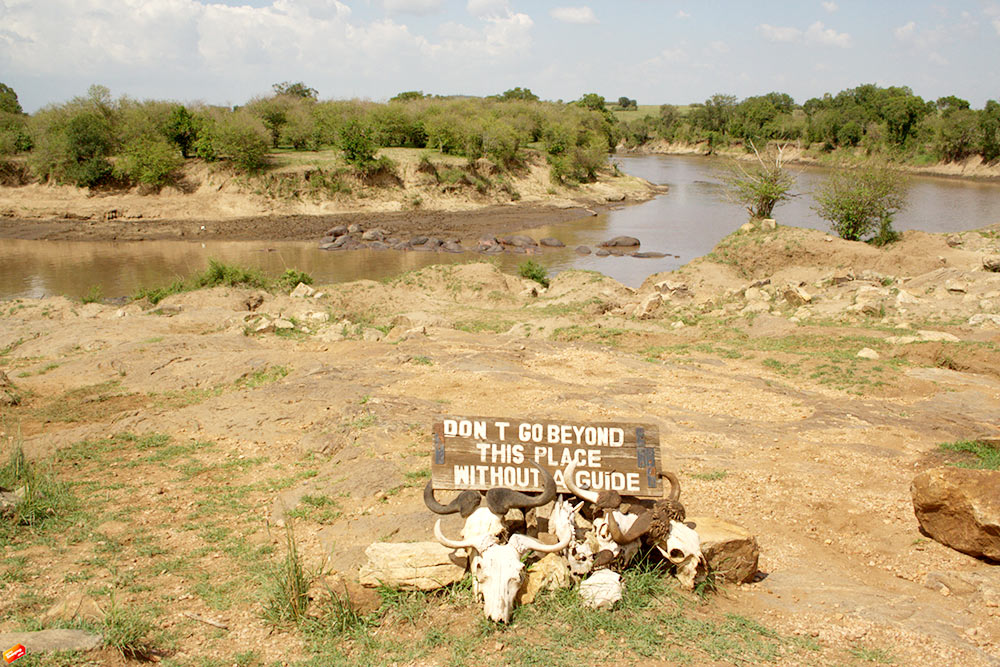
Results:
<point x="221" y="274"/>
<point x="983" y="456"/>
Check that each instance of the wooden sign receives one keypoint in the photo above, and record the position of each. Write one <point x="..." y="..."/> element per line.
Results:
<point x="489" y="452"/>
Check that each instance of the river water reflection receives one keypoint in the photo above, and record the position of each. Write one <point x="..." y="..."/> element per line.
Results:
<point x="686" y="222"/>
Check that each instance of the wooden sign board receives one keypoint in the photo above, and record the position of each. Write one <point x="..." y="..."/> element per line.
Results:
<point x="489" y="452"/>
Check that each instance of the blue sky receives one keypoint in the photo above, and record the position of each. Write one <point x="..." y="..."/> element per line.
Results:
<point x="656" y="51"/>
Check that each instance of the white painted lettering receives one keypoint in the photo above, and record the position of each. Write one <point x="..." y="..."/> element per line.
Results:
<point x="483" y="447"/>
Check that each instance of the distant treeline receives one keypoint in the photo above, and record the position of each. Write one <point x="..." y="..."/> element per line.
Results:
<point x="889" y="121"/>
<point x="96" y="139"/>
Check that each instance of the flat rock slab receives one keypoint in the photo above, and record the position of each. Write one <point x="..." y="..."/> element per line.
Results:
<point x="52" y="640"/>
<point x="730" y="551"/>
<point x="411" y="566"/>
<point x="960" y="508"/>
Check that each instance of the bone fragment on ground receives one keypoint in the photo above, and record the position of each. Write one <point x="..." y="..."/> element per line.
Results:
<point x="602" y="589"/>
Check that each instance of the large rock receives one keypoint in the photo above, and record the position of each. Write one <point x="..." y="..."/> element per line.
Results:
<point x="730" y="550"/>
<point x="621" y="242"/>
<point x="519" y="241"/>
<point x="550" y="242"/>
<point x="991" y="263"/>
<point x="960" y="508"/>
<point x="302" y="291"/>
<point x="649" y="306"/>
<point x="413" y="566"/>
<point x="51" y="640"/>
<point x="548" y="574"/>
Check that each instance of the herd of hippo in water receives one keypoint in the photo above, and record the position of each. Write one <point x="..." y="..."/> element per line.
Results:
<point x="353" y="237"/>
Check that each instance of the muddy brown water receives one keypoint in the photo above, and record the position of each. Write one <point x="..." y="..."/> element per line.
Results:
<point x="685" y="223"/>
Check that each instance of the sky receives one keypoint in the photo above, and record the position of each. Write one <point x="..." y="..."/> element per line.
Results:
<point x="654" y="51"/>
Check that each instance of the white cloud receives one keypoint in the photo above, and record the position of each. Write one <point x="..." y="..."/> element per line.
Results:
<point x="936" y="58"/>
<point x="719" y="46"/>
<point x="996" y="25"/>
<point x="573" y="14"/>
<point x="819" y="33"/>
<point x="773" y="33"/>
<point x="420" y="7"/>
<point x="905" y="32"/>
<point x="681" y="14"/>
<point x="242" y="46"/>
<point x="830" y="6"/>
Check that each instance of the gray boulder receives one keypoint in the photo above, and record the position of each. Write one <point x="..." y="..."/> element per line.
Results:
<point x="550" y="242"/>
<point x="621" y="242"/>
<point x="339" y="230"/>
<point x="582" y="250"/>
<point x="519" y="241"/>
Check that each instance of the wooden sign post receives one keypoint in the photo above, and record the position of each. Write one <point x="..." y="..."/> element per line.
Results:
<point x="489" y="452"/>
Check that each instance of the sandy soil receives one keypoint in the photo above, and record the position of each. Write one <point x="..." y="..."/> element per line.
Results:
<point x="764" y="410"/>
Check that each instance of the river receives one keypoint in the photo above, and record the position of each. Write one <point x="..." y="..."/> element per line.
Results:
<point x="686" y="223"/>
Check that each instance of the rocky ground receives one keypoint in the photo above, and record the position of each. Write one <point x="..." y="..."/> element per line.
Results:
<point x="799" y="383"/>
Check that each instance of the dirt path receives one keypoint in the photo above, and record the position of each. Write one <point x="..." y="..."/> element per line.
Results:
<point x="767" y="414"/>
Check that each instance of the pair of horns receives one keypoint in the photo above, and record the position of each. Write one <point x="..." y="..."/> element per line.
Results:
<point x="499" y="500"/>
<point x="520" y="542"/>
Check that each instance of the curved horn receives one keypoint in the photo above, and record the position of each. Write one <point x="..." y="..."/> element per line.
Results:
<point x="451" y="544"/>
<point x="501" y="500"/>
<point x="639" y="528"/>
<point x="589" y="496"/>
<point x="465" y="504"/>
<point x="675" y="486"/>
<point x="524" y="543"/>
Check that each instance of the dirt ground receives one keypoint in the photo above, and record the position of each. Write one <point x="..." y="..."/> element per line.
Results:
<point x="189" y="437"/>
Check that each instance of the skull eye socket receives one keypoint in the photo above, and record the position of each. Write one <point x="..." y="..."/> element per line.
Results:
<point x="676" y="554"/>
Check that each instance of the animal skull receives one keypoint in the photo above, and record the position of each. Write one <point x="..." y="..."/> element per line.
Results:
<point x="498" y="568"/>
<point x="683" y="549"/>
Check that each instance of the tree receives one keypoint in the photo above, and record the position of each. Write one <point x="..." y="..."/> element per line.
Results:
<point x="989" y="131"/>
<point x="593" y="101"/>
<point x="627" y="103"/>
<point x="519" y="93"/>
<point x="297" y="89"/>
<point x="148" y="160"/>
<point x="181" y="129"/>
<point x="761" y="185"/>
<point x="408" y="96"/>
<point x="861" y="202"/>
<point x="8" y="100"/>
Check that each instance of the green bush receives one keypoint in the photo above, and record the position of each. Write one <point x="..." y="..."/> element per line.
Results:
<point x="357" y="143"/>
<point x="861" y="202"/>
<point x="532" y="270"/>
<point x="236" y="136"/>
<point x="148" y="160"/>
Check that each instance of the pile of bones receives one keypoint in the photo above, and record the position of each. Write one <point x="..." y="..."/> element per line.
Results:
<point x="597" y="533"/>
